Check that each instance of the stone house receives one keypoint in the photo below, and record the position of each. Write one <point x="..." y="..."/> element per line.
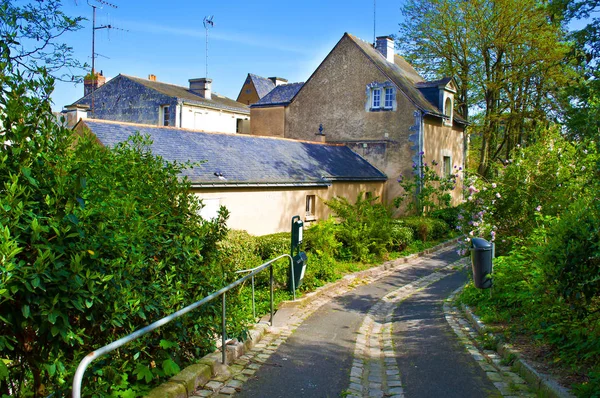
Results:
<point x="262" y="181"/>
<point x="256" y="87"/>
<point x="148" y="101"/>
<point x="370" y="99"/>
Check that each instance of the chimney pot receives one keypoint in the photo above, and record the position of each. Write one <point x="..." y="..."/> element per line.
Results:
<point x="152" y="78"/>
<point x="201" y="86"/>
<point x="385" y="45"/>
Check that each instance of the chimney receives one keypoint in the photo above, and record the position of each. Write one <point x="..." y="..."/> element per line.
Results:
<point x="385" y="45"/>
<point x="152" y="78"/>
<point x="201" y="86"/>
<point x="74" y="113"/>
<point x="90" y="84"/>
<point x="278" y="80"/>
<point x="321" y="135"/>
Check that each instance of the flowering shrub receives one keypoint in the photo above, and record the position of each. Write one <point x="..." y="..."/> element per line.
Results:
<point x="430" y="190"/>
<point x="531" y="189"/>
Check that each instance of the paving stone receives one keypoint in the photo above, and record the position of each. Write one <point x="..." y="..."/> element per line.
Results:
<point x="213" y="385"/>
<point x="234" y="383"/>
<point x="254" y="366"/>
<point x="356" y="372"/>
<point x="494" y="376"/>
<point x="241" y="377"/>
<point x="248" y="372"/>
<point x="394" y="383"/>
<point x="356" y="387"/>
<point x="203" y="393"/>
<point x="396" y="390"/>
<point x="227" y="391"/>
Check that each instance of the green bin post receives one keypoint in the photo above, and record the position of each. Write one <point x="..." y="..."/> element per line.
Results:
<point x="299" y="258"/>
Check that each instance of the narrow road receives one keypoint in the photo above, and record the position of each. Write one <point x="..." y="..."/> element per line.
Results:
<point x="355" y="344"/>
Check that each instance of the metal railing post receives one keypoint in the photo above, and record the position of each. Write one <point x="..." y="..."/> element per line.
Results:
<point x="224" y="330"/>
<point x="271" y="279"/>
<point x="253" y="302"/>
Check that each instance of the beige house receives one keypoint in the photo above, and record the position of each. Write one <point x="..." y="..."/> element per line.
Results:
<point x="368" y="98"/>
<point x="262" y="181"/>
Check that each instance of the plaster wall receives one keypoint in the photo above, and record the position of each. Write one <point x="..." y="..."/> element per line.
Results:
<point x="213" y="120"/>
<point x="262" y="211"/>
<point x="440" y="140"/>
<point x="267" y="121"/>
<point x="336" y="96"/>
<point x="248" y="94"/>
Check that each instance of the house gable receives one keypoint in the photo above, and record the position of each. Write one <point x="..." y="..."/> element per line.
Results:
<point x="124" y="99"/>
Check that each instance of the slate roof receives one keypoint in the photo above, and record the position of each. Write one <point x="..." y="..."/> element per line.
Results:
<point x="217" y="101"/>
<point x="262" y="85"/>
<point x="280" y="95"/>
<point x="245" y="160"/>
<point x="172" y="90"/>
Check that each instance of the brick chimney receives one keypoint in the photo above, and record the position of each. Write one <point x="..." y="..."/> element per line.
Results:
<point x="152" y="78"/>
<point x="201" y="86"/>
<point x="385" y="45"/>
<point x="90" y="84"/>
<point x="278" y="80"/>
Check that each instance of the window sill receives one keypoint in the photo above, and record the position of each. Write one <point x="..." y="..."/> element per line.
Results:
<point x="310" y="218"/>
<point x="381" y="109"/>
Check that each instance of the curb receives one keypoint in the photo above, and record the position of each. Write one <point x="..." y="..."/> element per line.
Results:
<point x="544" y="384"/>
<point x="189" y="379"/>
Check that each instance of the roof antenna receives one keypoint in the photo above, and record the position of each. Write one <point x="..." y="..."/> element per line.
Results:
<point x="208" y="23"/>
<point x="374" y="8"/>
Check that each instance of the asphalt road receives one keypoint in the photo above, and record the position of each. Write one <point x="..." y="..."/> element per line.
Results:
<point x="316" y="360"/>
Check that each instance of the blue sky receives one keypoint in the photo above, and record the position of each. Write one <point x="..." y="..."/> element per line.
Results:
<point x="268" y="38"/>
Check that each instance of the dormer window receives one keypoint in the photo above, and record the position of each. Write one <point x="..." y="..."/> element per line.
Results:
<point x="380" y="97"/>
<point x="448" y="110"/>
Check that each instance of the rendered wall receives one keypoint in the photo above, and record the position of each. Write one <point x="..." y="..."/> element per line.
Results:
<point x="266" y="211"/>
<point x="212" y="120"/>
<point x="248" y="94"/>
<point x="267" y="121"/>
<point x="336" y="96"/>
<point x="440" y="141"/>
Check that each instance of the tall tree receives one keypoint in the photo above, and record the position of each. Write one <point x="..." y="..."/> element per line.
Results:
<point x="507" y="57"/>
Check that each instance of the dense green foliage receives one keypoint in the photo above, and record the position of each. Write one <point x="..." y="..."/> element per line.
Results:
<point x="543" y="210"/>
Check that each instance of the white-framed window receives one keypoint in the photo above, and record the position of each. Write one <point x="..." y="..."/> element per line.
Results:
<point x="447" y="166"/>
<point x="380" y="97"/>
<point x="389" y="98"/>
<point x="310" y="206"/>
<point x="376" y="96"/>
<point x="165" y="115"/>
<point x="448" y="111"/>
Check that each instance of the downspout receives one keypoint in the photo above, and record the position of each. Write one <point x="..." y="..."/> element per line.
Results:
<point x="417" y="138"/>
<point x="180" y="106"/>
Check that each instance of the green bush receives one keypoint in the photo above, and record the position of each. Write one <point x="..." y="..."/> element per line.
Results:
<point x="364" y="227"/>
<point x="321" y="238"/>
<point x="425" y="228"/>
<point x="402" y="236"/>
<point x="449" y="215"/>
<point x="273" y="245"/>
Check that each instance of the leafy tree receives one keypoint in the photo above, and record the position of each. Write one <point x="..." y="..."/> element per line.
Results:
<point x="507" y="57"/>
<point x="30" y="32"/>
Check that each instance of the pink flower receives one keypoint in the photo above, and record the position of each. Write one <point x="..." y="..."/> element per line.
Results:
<point x="494" y="185"/>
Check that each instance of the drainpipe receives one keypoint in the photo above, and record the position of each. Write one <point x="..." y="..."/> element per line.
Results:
<point x="180" y="106"/>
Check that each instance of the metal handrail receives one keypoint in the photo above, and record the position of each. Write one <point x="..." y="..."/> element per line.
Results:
<point x="78" y="378"/>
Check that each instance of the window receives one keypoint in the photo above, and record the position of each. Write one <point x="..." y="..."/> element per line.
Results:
<point x="376" y="98"/>
<point x="389" y="98"/>
<point x="447" y="166"/>
<point x="239" y="123"/>
<point x="448" y="111"/>
<point x="310" y="206"/>
<point x="166" y="116"/>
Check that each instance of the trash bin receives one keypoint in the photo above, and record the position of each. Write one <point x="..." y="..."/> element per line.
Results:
<point x="481" y="262"/>
<point x="300" y="261"/>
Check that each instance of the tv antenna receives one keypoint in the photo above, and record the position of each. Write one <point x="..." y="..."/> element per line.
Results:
<point x="374" y="19"/>
<point x="208" y="23"/>
<point x="94" y="29"/>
